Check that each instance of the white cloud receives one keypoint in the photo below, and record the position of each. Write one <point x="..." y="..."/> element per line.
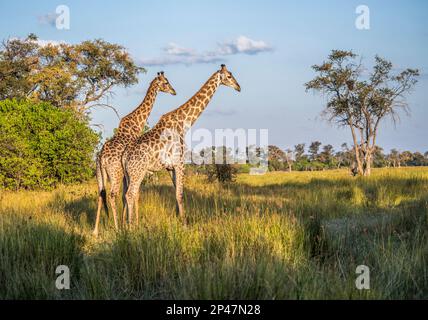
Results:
<point x="187" y="60"/>
<point x="176" y="50"/>
<point x="48" y="19"/>
<point x="176" y="54"/>
<point x="244" y="45"/>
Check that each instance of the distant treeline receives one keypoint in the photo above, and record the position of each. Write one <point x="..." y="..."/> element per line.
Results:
<point x="315" y="157"/>
<point x="321" y="157"/>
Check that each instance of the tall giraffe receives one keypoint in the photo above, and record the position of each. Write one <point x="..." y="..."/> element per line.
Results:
<point x="163" y="146"/>
<point x="109" y="159"/>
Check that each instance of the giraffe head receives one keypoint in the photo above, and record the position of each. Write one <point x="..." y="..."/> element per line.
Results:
<point x="227" y="79"/>
<point x="163" y="84"/>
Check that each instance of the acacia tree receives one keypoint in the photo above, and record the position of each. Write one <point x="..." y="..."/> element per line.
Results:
<point x="219" y="166"/>
<point x="279" y="159"/>
<point x="314" y="148"/>
<point x="344" y="157"/>
<point x="394" y="158"/>
<point x="76" y="76"/>
<point x="299" y="150"/>
<point x="327" y="155"/>
<point x="361" y="102"/>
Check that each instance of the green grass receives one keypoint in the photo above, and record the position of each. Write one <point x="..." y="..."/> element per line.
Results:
<point x="277" y="236"/>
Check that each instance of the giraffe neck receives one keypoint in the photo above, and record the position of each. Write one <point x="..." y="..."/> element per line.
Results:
<point x="193" y="108"/>
<point x="134" y="123"/>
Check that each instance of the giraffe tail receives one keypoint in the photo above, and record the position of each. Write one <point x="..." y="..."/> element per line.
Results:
<point x="102" y="183"/>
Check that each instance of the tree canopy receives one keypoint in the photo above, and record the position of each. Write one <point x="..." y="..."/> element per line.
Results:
<point x="75" y="76"/>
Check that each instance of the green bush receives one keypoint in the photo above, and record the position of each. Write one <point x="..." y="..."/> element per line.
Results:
<point x="223" y="173"/>
<point x="41" y="145"/>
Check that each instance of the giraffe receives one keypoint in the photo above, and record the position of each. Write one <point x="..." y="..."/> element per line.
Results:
<point x="109" y="159"/>
<point x="163" y="146"/>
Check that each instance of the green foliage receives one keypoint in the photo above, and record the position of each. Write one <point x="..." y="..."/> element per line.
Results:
<point x="222" y="173"/>
<point x="218" y="164"/>
<point x="77" y="76"/>
<point x="41" y="145"/>
<point x="243" y="168"/>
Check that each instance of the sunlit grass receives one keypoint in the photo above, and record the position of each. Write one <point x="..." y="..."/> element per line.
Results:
<point x="278" y="236"/>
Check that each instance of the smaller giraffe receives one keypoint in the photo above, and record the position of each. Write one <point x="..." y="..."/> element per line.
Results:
<point x="109" y="159"/>
<point x="163" y="146"/>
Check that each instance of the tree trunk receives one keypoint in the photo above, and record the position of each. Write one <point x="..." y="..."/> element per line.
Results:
<point x="356" y="150"/>
<point x="367" y="168"/>
<point x="367" y="165"/>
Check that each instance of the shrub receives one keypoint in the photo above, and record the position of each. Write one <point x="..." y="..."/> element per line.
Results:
<point x="223" y="173"/>
<point x="41" y="145"/>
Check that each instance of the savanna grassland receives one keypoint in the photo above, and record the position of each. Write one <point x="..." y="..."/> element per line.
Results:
<point x="278" y="236"/>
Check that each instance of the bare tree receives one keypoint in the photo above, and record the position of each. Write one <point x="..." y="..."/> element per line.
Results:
<point x="289" y="158"/>
<point x="360" y="101"/>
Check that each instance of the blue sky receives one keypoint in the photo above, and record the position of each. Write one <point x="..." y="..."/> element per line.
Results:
<point x="279" y="42"/>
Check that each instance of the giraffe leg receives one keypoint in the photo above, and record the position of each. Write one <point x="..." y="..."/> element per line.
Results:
<point x="112" y="199"/>
<point x="97" y="220"/>
<point x="124" y="212"/>
<point x="114" y="191"/>
<point x="172" y="175"/>
<point x="137" y="199"/>
<point x="132" y="195"/>
<point x="102" y="182"/>
<point x="125" y="189"/>
<point x="179" y="180"/>
<point x="129" y="198"/>
<point x="137" y="214"/>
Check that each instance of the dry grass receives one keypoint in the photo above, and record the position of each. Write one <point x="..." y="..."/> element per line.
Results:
<point x="277" y="236"/>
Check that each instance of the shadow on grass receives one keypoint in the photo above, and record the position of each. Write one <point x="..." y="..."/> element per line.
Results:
<point x="79" y="209"/>
<point x="404" y="184"/>
<point x="318" y="197"/>
<point x="31" y="252"/>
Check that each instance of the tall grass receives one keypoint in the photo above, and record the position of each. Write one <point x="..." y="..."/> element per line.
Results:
<point x="278" y="236"/>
